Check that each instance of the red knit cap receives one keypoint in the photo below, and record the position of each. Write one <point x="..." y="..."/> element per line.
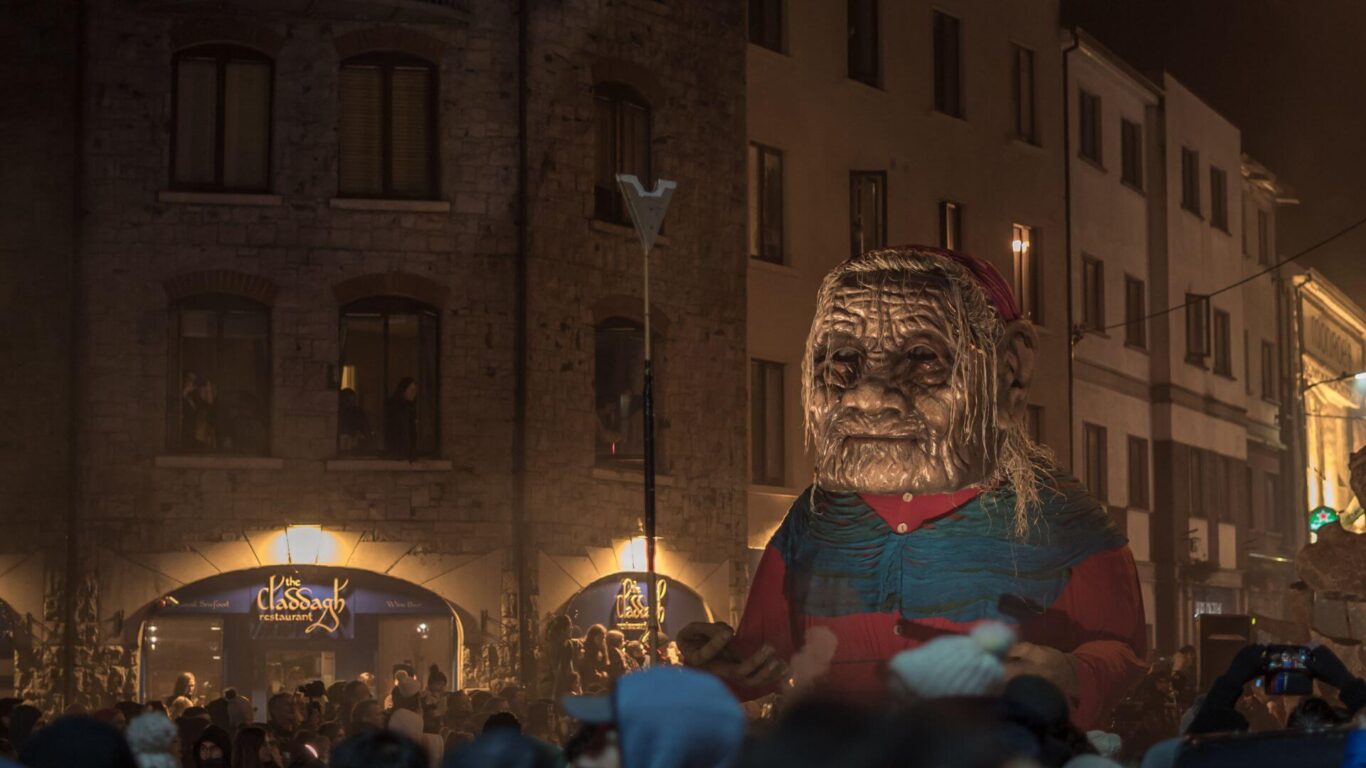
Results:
<point x="996" y="288"/>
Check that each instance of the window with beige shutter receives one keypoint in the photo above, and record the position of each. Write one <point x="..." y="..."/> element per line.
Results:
<point x="221" y="128"/>
<point x="387" y="128"/>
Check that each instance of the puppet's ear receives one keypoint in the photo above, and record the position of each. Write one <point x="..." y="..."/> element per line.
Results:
<point x="1015" y="362"/>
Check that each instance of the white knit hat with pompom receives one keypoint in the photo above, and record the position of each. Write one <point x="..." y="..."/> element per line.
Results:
<point x="957" y="665"/>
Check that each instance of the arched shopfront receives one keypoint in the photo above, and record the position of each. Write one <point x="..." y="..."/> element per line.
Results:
<point x="275" y="627"/>
<point x="619" y="601"/>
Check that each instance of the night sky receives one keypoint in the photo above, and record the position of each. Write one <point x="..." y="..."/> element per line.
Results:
<point x="1292" y="75"/>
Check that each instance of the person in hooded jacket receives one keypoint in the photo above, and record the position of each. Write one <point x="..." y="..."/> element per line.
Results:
<point x="213" y="749"/>
<point x="76" y="741"/>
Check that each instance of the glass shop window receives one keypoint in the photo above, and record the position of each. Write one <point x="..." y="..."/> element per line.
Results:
<point x="174" y="645"/>
<point x="387" y="402"/>
<point x="619" y="393"/>
<point x="220" y="137"/>
<point x="220" y="386"/>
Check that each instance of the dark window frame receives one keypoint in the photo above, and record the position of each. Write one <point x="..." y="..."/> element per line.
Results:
<point x="386" y="307"/>
<point x="1218" y="199"/>
<point x="769" y="32"/>
<point x="855" y="228"/>
<point x="760" y="450"/>
<point x="1140" y="495"/>
<point x="1093" y="294"/>
<point x="387" y="62"/>
<point x="1135" y="313"/>
<point x="1190" y="181"/>
<point x="856" y="66"/>
<point x="1198" y="344"/>
<point x="948" y="80"/>
<point x="1090" y="128"/>
<point x="1221" y="330"/>
<point x="1102" y="471"/>
<point x="778" y="256"/>
<point x="220" y="304"/>
<point x="1034" y="419"/>
<point x="1264" y="247"/>
<point x="1026" y="127"/>
<point x="1028" y="286"/>
<point x="1270" y="376"/>
<point x="222" y="53"/>
<point x="1131" y="153"/>
<point x="950" y="232"/>
<point x="624" y="323"/>
<point x="608" y="204"/>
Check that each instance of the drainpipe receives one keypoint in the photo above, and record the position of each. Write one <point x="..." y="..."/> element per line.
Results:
<point x="526" y="659"/>
<point x="72" y="570"/>
<point x="1067" y="235"/>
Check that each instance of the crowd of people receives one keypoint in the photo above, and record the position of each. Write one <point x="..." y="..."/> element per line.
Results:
<point x="951" y="703"/>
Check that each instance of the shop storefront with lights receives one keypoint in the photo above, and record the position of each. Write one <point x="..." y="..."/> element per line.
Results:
<point x="275" y="628"/>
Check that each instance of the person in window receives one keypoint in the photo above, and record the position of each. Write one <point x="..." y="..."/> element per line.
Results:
<point x="353" y="428"/>
<point x="205" y="417"/>
<point x="400" y="421"/>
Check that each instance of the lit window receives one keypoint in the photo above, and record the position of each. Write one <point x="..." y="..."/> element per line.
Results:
<point x="222" y="382"/>
<point x="867" y="211"/>
<point x="1027" y="284"/>
<point x="387" y="399"/>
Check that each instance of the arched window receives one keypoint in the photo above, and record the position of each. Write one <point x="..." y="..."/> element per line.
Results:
<point x="619" y="389"/>
<point x="623" y="146"/>
<point x="220" y="375"/>
<point x="387" y="404"/>
<point x="221" y="131"/>
<point x="387" y="127"/>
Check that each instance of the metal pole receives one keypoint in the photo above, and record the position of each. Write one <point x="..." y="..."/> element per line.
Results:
<point x="652" y="623"/>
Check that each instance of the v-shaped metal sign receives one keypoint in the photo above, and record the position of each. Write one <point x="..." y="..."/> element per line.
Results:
<point x="647" y="208"/>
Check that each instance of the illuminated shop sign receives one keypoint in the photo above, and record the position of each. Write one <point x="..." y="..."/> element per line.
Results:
<point x="287" y="599"/>
<point x="633" y="609"/>
<point x="621" y="601"/>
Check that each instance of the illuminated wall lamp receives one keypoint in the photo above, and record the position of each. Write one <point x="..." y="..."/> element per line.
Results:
<point x="304" y="542"/>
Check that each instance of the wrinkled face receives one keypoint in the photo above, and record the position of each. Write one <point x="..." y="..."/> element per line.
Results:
<point x="886" y="405"/>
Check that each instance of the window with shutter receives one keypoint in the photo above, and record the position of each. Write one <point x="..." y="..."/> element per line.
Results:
<point x="387" y="128"/>
<point x="221" y="129"/>
<point x="623" y="147"/>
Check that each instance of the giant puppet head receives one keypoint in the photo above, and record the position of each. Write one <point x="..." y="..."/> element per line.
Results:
<point x="916" y="377"/>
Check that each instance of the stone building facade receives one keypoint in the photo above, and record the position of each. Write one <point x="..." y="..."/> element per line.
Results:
<point x="152" y="517"/>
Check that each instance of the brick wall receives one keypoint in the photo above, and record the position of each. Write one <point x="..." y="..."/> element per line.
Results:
<point x="304" y="253"/>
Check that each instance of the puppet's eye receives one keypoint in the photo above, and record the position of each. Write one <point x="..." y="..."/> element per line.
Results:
<point x="843" y="366"/>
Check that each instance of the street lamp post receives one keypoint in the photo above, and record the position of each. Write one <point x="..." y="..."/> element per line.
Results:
<point x="647" y="212"/>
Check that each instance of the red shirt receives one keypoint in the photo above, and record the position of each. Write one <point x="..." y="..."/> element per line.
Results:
<point x="1098" y="619"/>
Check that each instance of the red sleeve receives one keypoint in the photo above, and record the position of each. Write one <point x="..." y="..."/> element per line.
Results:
<point x="766" y="619"/>
<point x="1109" y="633"/>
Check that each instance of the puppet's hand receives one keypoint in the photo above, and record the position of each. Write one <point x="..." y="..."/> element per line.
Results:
<point x="707" y="646"/>
<point x="1051" y="664"/>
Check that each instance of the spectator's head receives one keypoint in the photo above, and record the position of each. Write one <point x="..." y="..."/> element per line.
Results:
<point x="366" y="715"/>
<point x="542" y="721"/>
<point x="357" y="690"/>
<point x="333" y="730"/>
<point x="212" y="749"/>
<point x="184" y="685"/>
<point x="283" y="711"/>
<point x="478" y="700"/>
<point x="616" y="639"/>
<point x="458" y="704"/>
<point x="596" y="636"/>
<point x="407" y="692"/>
<point x="253" y="747"/>
<point x="436" y="680"/>
<point x="178" y="706"/>
<point x="813" y="733"/>
<point x="189" y="728"/>
<point x="955" y="665"/>
<point x="129" y="710"/>
<point x="154" y="741"/>
<point x="502" y="721"/>
<point x="77" y="741"/>
<point x="558" y="629"/>
<point x="1314" y="714"/>
<point x="24" y="719"/>
<point x="666" y="716"/>
<point x="378" y="749"/>
<point x="110" y="716"/>
<point x="218" y="713"/>
<point x="501" y="748"/>
<point x="1184" y="659"/>
<point x="407" y="723"/>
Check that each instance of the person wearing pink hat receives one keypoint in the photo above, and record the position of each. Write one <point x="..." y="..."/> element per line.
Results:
<point x="932" y="510"/>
